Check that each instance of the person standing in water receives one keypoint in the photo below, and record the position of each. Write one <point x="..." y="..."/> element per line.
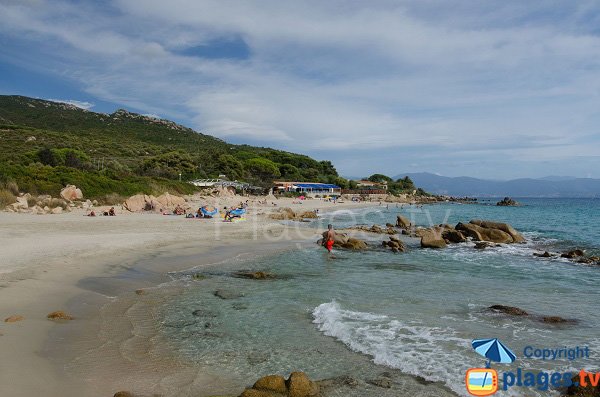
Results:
<point x="330" y="238"/>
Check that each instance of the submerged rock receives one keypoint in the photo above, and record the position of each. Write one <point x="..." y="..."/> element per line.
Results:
<point x="383" y="382"/>
<point x="573" y="254"/>
<point x="557" y="320"/>
<point x="225" y="294"/>
<point x="260" y="275"/>
<point x="546" y="254"/>
<point x="510" y="310"/>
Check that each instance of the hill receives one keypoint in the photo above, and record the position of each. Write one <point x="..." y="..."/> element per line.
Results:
<point x="525" y="187"/>
<point x="45" y="145"/>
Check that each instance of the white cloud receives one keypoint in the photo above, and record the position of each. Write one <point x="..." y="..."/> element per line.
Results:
<point x="511" y="80"/>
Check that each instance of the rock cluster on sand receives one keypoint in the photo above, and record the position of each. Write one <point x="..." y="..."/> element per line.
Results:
<point x="507" y="202"/>
<point x="288" y="214"/>
<point x="144" y="202"/>
<point x="59" y="315"/>
<point x="13" y="319"/>
<point x="297" y="385"/>
<point x="39" y="205"/>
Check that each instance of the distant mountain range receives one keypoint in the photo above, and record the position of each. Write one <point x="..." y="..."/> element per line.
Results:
<point x="551" y="186"/>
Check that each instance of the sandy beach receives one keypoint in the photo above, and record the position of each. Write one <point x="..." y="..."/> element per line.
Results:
<point x="45" y="258"/>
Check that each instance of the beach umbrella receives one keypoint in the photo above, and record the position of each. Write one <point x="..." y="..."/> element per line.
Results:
<point x="493" y="350"/>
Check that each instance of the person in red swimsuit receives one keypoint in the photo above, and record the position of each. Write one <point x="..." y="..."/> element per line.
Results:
<point x="330" y="240"/>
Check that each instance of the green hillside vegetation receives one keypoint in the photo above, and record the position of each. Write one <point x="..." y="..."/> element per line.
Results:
<point x="46" y="145"/>
<point x="399" y="186"/>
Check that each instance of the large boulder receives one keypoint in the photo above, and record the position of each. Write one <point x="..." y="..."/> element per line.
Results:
<point x="71" y="193"/>
<point x="453" y="236"/>
<point x="432" y="238"/>
<point x="169" y="201"/>
<point x="21" y="203"/>
<point x="299" y="385"/>
<point x="274" y="383"/>
<point x="403" y="222"/>
<point x="141" y="202"/>
<point x="355" y="244"/>
<point x="505" y="227"/>
<point x="494" y="232"/>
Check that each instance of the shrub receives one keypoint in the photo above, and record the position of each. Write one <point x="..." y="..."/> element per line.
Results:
<point x="6" y="198"/>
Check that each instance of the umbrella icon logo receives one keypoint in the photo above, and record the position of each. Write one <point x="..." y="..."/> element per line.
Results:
<point x="484" y="381"/>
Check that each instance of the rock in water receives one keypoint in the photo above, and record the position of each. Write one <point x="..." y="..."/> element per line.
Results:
<point x="403" y="222"/>
<point x="453" y="236"/>
<point x="510" y="310"/>
<point x="432" y="239"/>
<point x="224" y="294"/>
<point x="355" y="244"/>
<point x="260" y="275"/>
<point x="507" y="202"/>
<point x="505" y="227"/>
<point x="573" y="254"/>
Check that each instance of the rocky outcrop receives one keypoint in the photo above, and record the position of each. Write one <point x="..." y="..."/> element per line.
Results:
<point x="169" y="201"/>
<point x="141" y="202"/>
<point x="515" y="311"/>
<point x="375" y="229"/>
<point x="71" y="193"/>
<point x="494" y="232"/>
<point x="507" y="202"/>
<point x="453" y="236"/>
<point x="297" y="385"/>
<point x="573" y="254"/>
<point x="432" y="238"/>
<point x="545" y="254"/>
<point x="394" y="244"/>
<point x="402" y="222"/>
<point x="288" y="214"/>
<point x="342" y="240"/>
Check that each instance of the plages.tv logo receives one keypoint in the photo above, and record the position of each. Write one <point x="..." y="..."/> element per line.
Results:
<point x="484" y="381"/>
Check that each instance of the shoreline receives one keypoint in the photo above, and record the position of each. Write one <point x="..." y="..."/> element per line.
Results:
<point x="48" y="257"/>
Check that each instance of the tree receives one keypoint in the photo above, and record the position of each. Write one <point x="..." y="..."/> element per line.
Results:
<point x="263" y="169"/>
<point x="380" y="178"/>
<point x="230" y="166"/>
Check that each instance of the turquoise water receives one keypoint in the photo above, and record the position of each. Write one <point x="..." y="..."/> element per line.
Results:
<point x="413" y="313"/>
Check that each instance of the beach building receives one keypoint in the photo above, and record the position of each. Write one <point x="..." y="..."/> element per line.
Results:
<point x="309" y="189"/>
<point x="368" y="185"/>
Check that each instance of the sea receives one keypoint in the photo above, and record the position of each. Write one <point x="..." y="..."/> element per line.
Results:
<point x="408" y="317"/>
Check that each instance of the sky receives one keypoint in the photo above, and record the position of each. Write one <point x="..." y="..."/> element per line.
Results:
<point x="496" y="90"/>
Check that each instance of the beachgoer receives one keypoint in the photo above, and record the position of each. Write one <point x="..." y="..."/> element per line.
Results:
<point x="111" y="211"/>
<point x="92" y="213"/>
<point x="330" y="239"/>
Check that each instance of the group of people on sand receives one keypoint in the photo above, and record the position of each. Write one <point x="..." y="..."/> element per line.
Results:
<point x="110" y="212"/>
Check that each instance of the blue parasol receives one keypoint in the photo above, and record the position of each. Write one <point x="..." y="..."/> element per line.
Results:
<point x="493" y="350"/>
